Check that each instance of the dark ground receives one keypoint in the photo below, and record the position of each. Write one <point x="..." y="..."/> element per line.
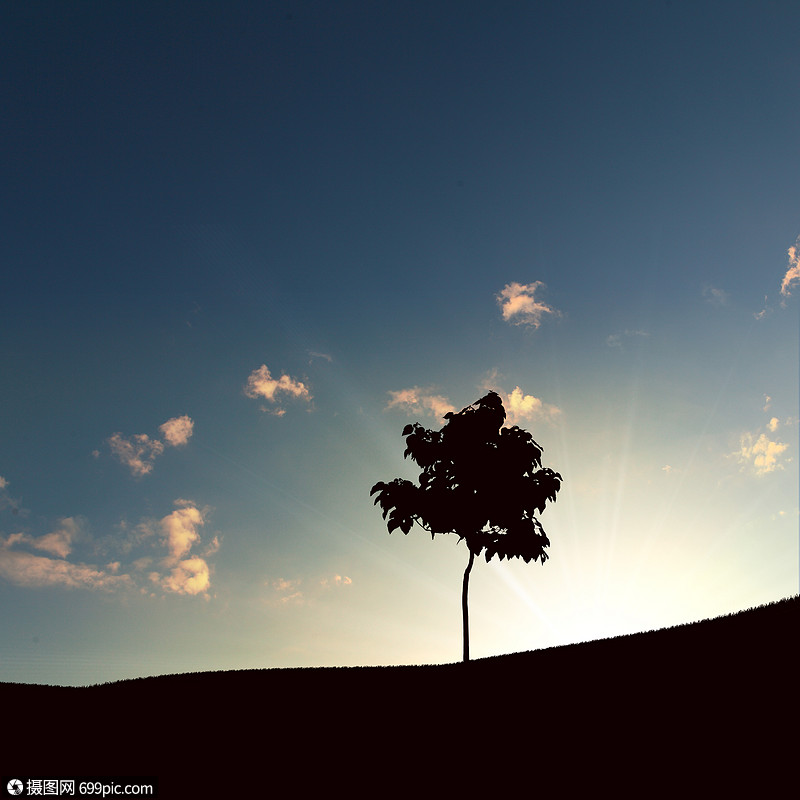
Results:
<point x="707" y="709"/>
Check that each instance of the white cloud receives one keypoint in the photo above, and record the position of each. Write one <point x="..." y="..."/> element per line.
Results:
<point x="773" y="424"/>
<point x="420" y="401"/>
<point x="3" y="482"/>
<point x="138" y="453"/>
<point x="520" y="306"/>
<point x="792" y="275"/>
<point x="178" y="430"/>
<point x="260" y="383"/>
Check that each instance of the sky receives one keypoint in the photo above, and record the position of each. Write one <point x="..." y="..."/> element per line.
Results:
<point x="244" y="244"/>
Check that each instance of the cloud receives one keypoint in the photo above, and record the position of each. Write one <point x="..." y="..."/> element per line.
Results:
<point x="519" y="304"/>
<point x="521" y="407"/>
<point x="615" y="339"/>
<point x="59" y="542"/>
<point x="760" y="453"/>
<point x="288" y="591"/>
<point x="138" y="453"/>
<point x="27" y="569"/>
<point x="178" y="430"/>
<point x="714" y="296"/>
<point x="180" y="528"/>
<point x="773" y="424"/>
<point x="189" y="576"/>
<point x="792" y="275"/>
<point x="336" y="580"/>
<point x="7" y="501"/>
<point x="186" y="574"/>
<point x="260" y="383"/>
<point x="179" y="571"/>
<point x="420" y="401"/>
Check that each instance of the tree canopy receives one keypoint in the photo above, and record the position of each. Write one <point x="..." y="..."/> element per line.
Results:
<point x="479" y="480"/>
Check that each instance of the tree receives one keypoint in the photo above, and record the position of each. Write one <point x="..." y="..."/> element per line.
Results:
<point x="480" y="481"/>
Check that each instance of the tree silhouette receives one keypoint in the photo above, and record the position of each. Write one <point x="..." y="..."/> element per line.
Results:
<point x="480" y="481"/>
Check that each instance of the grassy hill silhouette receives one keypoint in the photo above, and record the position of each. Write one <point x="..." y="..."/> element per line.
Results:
<point x="714" y="702"/>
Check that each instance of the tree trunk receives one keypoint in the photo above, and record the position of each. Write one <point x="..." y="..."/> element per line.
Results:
<point x="464" y="609"/>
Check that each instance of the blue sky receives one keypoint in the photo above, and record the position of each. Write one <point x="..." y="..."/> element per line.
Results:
<point x="244" y="244"/>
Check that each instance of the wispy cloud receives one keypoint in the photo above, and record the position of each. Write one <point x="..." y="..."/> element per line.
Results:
<point x="616" y="339"/>
<point x="139" y="452"/>
<point x="314" y="354"/>
<point x="296" y="591"/>
<point x="417" y="400"/>
<point x="26" y="569"/>
<point x="334" y="581"/>
<point x="260" y="383"/>
<point x="715" y="296"/>
<point x="519" y="304"/>
<point x="792" y="275"/>
<point x="7" y="501"/>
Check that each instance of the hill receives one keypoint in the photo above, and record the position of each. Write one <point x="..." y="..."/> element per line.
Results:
<point x="712" y="701"/>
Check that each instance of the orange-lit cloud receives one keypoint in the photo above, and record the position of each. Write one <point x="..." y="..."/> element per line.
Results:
<point x="140" y="451"/>
<point x="59" y="542"/>
<point x="179" y="528"/>
<point x="189" y="576"/>
<point x="420" y="401"/>
<point x="178" y="430"/>
<point x="260" y="383"/>
<point x="27" y="569"/>
<point x="137" y="453"/>
<point x="792" y="275"/>
<point x="336" y="580"/>
<point x="186" y="574"/>
<point x="760" y="453"/>
<point x="179" y="571"/>
<point x="520" y="306"/>
<point x="521" y="408"/>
